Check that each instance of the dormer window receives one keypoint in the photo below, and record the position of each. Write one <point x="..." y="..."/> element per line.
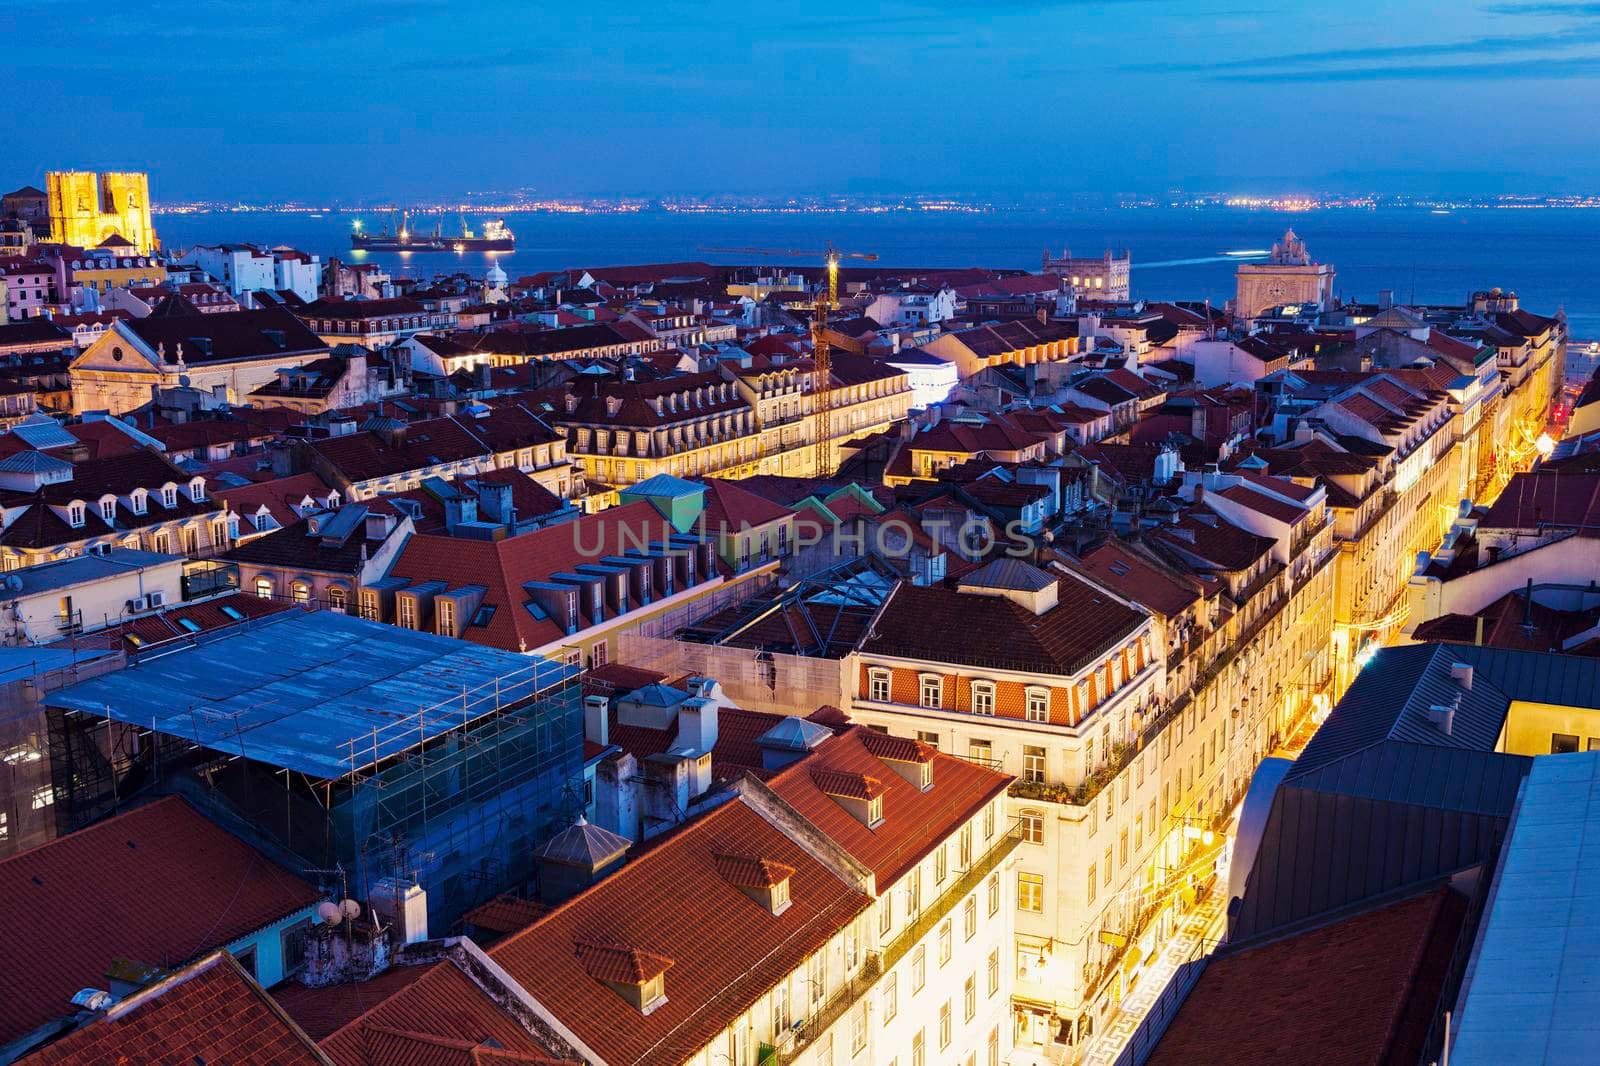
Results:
<point x="983" y="697"/>
<point x="878" y="689"/>
<point x="197" y="490"/>
<point x="763" y="880"/>
<point x="930" y="690"/>
<point x="169" y="496"/>
<point x="860" y="794"/>
<point x="75" y="514"/>
<point x="637" y="976"/>
<point x="108" y="509"/>
<point x="141" y="499"/>
<point x="1038" y="705"/>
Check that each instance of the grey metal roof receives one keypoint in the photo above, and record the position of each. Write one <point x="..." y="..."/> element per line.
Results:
<point x="794" y="734"/>
<point x="585" y="844"/>
<point x="79" y="570"/>
<point x="1530" y="991"/>
<point x="1390" y="699"/>
<point x="665" y="485"/>
<point x="322" y="693"/>
<point x="33" y="462"/>
<point x="42" y="431"/>
<point x="1009" y="574"/>
<point x="1397" y="816"/>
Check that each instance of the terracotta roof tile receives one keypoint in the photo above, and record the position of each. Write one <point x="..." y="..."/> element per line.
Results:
<point x="1249" y="1007"/>
<point x="748" y="871"/>
<point x="107" y="892"/>
<point x="208" y="1013"/>
<point x="847" y="784"/>
<point x="671" y="901"/>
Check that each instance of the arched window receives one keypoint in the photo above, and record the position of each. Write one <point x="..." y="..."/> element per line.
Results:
<point x="338" y="599"/>
<point x="264" y="587"/>
<point x="300" y="592"/>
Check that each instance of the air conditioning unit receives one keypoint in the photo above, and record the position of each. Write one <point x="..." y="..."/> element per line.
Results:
<point x="134" y="605"/>
<point x="100" y="549"/>
<point x="155" y="599"/>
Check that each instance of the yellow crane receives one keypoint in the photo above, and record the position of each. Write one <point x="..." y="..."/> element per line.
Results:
<point x="821" y="351"/>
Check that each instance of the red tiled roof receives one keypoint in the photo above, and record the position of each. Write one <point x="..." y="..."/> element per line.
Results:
<point x="502" y="567"/>
<point x="1383" y="970"/>
<point x="748" y="871"/>
<point x="1131" y="575"/>
<point x="731" y="507"/>
<point x="328" y="1008"/>
<point x="208" y="1013"/>
<point x="846" y="784"/>
<point x="506" y="914"/>
<point x="671" y="901"/>
<point x="112" y="891"/>
<point x="899" y="749"/>
<point x="1256" y="501"/>
<point x="1549" y="498"/>
<point x="442" y="1004"/>
<point x="620" y="964"/>
<point x="942" y="625"/>
<point x="913" y="820"/>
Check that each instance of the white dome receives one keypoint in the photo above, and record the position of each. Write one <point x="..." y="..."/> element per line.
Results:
<point x="496" y="277"/>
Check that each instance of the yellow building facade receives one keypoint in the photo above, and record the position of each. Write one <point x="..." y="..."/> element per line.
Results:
<point x="86" y="208"/>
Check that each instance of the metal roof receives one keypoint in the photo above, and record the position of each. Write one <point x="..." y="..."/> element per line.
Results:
<point x="321" y="693"/>
<point x="1385" y="820"/>
<point x="1529" y="995"/>
<point x="1391" y="698"/>
<point x="81" y="569"/>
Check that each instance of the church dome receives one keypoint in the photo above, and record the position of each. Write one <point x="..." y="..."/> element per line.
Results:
<point x="496" y="277"/>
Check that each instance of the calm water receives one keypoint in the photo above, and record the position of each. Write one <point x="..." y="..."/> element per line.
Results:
<point x="1550" y="257"/>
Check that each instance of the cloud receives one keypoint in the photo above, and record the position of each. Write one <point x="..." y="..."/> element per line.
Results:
<point x="1556" y="9"/>
<point x="1569" y="69"/>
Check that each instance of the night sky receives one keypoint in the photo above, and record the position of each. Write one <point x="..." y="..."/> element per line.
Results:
<point x="410" y="98"/>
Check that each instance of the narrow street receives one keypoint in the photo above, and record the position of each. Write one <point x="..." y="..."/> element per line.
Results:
<point x="1201" y="930"/>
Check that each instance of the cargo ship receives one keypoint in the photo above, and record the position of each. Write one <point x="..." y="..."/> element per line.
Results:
<point x="496" y="237"/>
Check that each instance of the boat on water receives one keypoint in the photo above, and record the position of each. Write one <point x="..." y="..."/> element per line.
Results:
<point x="496" y="237"/>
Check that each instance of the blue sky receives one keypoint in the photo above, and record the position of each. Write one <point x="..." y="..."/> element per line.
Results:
<point x="382" y="98"/>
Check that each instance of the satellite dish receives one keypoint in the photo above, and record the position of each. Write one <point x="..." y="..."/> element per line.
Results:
<point x="13" y="583"/>
<point x="330" y="913"/>
<point x="351" y="908"/>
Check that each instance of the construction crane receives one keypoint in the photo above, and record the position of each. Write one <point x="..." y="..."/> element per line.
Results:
<point x="821" y="351"/>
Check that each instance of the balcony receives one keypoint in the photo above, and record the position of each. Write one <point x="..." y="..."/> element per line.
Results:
<point x="832" y="1009"/>
<point x="946" y="901"/>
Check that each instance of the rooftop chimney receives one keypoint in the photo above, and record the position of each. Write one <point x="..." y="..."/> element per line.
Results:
<point x="597" y="720"/>
<point x="1462" y="674"/>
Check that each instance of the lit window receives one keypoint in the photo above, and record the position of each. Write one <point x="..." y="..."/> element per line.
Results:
<point x="300" y="592"/>
<point x="264" y="587"/>
<point x="1030" y="893"/>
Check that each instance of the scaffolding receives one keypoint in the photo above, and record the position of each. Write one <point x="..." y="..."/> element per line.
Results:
<point x="455" y="794"/>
